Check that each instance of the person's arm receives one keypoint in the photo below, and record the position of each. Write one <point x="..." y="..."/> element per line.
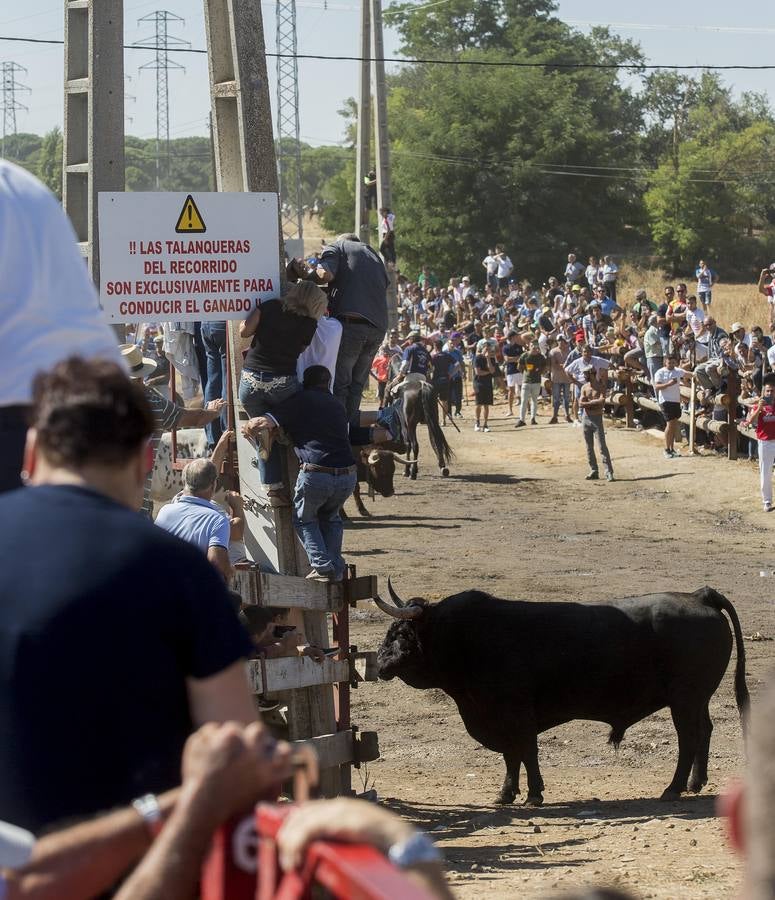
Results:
<point x="195" y="418"/>
<point x="247" y="328"/>
<point x="219" y="557"/>
<point x="87" y="859"/>
<point x="226" y="769"/>
<point x="754" y="416"/>
<point x="257" y="423"/>
<point x="219" y="452"/>
<point x="237" y="518"/>
<point x="223" y="697"/>
<point x="354" y="821"/>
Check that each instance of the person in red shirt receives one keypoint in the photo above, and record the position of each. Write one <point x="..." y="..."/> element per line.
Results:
<point x="763" y="416"/>
<point x="380" y="370"/>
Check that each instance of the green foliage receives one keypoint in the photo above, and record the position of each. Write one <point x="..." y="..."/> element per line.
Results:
<point x="49" y="163"/>
<point x="487" y="154"/>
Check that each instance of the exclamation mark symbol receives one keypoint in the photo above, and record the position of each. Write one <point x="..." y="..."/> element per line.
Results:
<point x="190" y="216"/>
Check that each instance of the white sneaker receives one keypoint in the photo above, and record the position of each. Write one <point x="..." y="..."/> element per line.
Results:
<point x="767" y="506"/>
<point x="486" y="428"/>
<point x="476" y="427"/>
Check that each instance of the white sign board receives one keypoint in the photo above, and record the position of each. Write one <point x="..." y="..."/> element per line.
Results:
<point x="178" y="257"/>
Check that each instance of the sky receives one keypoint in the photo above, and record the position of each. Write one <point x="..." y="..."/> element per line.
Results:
<point x="689" y="32"/>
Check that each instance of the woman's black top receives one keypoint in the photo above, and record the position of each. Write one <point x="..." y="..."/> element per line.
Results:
<point x="279" y="339"/>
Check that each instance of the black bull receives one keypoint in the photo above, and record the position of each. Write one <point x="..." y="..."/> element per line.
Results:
<point x="516" y="669"/>
<point x="376" y="468"/>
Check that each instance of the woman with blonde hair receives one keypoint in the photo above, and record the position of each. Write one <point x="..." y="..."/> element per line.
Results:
<point x="280" y="329"/>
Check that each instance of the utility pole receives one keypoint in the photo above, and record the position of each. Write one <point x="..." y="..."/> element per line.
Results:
<point x="93" y="137"/>
<point x="363" y="151"/>
<point x="382" y="141"/>
<point x="11" y="87"/>
<point x="161" y="41"/>
<point x="288" y="146"/>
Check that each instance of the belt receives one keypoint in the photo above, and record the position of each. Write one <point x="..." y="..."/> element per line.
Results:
<point x="327" y="470"/>
<point x="265" y="376"/>
<point x="348" y="317"/>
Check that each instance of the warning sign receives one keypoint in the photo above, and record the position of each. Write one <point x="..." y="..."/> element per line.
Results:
<point x="160" y="262"/>
<point x="190" y="219"/>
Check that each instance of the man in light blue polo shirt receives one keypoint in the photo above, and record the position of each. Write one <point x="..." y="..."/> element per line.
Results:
<point x="193" y="516"/>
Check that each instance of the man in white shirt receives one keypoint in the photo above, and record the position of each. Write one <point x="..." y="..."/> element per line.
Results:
<point x="490" y="264"/>
<point x="505" y="266"/>
<point x="695" y="317"/>
<point x="50" y="308"/>
<point x="610" y="274"/>
<point x="667" y="382"/>
<point x="193" y="517"/>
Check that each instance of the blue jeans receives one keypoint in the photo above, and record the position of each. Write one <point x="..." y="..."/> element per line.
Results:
<point x="214" y="339"/>
<point x="259" y="397"/>
<point x="316" y="504"/>
<point x="560" y="393"/>
<point x="357" y="349"/>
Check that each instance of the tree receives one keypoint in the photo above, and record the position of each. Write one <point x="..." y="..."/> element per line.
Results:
<point x="483" y="154"/>
<point x="50" y="161"/>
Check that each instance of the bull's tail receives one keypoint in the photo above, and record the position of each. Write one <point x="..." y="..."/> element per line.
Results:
<point x="719" y="602"/>
<point x="430" y="408"/>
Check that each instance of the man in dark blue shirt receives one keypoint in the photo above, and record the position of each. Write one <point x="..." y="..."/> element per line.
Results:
<point x="317" y="424"/>
<point x="102" y="680"/>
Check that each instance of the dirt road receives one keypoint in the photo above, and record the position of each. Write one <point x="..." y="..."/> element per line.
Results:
<point x="516" y="518"/>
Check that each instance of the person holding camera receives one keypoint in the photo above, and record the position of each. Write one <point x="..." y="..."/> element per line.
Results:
<point x="484" y="371"/>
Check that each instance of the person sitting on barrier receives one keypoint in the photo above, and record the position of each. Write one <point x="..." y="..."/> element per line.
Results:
<point x="179" y="648"/>
<point x="712" y="373"/>
<point x="193" y="517"/>
<point x="280" y="330"/>
<point x="317" y="425"/>
<point x="415" y="365"/>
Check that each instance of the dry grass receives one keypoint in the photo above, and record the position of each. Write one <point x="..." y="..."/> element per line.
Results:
<point x="731" y="302"/>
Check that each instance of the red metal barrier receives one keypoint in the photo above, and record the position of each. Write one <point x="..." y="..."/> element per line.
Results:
<point x="243" y="865"/>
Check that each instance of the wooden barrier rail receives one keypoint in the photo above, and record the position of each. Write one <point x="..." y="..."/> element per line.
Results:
<point x="235" y="870"/>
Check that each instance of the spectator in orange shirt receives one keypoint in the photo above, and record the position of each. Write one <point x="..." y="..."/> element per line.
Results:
<point x="380" y="370"/>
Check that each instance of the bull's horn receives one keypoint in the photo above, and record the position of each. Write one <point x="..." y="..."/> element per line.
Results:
<point x="401" y="459"/>
<point x="373" y="457"/>
<point x="394" y="596"/>
<point x="411" y="612"/>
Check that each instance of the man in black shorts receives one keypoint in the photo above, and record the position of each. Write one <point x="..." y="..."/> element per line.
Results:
<point x="667" y="382"/>
<point x="444" y="366"/>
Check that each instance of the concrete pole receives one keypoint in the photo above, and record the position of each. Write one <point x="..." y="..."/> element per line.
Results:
<point x="382" y="138"/>
<point x="93" y="134"/>
<point x="363" y="151"/>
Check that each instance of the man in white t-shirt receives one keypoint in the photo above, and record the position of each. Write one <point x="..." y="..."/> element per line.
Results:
<point x="610" y="275"/>
<point x="766" y="287"/>
<point x="667" y="382"/>
<point x="505" y="266"/>
<point x="695" y="317"/>
<point x="50" y="308"/>
<point x="490" y="264"/>
<point x="193" y="517"/>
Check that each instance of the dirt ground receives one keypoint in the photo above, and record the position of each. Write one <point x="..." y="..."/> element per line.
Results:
<point x="516" y="518"/>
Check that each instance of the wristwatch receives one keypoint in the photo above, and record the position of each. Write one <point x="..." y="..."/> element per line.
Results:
<point x="418" y="848"/>
<point x="148" y="807"/>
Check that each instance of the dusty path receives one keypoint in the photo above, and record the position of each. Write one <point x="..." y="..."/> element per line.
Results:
<point x="517" y="519"/>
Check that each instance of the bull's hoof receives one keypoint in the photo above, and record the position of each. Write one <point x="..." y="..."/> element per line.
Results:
<point x="406" y="473"/>
<point x="695" y="785"/>
<point x="414" y="476"/>
<point x="445" y="472"/>
<point x="536" y="800"/>
<point x="670" y="796"/>
<point x="505" y="798"/>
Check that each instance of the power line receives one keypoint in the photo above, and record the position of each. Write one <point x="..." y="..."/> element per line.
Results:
<point x="483" y="63"/>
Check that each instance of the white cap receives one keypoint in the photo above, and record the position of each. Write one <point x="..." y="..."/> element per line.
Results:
<point x="15" y="846"/>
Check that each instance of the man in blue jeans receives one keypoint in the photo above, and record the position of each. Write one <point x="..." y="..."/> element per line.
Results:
<point x="214" y="340"/>
<point x="358" y="285"/>
<point x="316" y="423"/>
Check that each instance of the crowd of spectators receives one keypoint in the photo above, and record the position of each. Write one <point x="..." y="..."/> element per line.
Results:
<point x="531" y="344"/>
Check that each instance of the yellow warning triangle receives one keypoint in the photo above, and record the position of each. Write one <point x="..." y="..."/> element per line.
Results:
<point x="190" y="220"/>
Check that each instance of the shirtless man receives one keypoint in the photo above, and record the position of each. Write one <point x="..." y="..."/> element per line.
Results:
<point x="591" y="404"/>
